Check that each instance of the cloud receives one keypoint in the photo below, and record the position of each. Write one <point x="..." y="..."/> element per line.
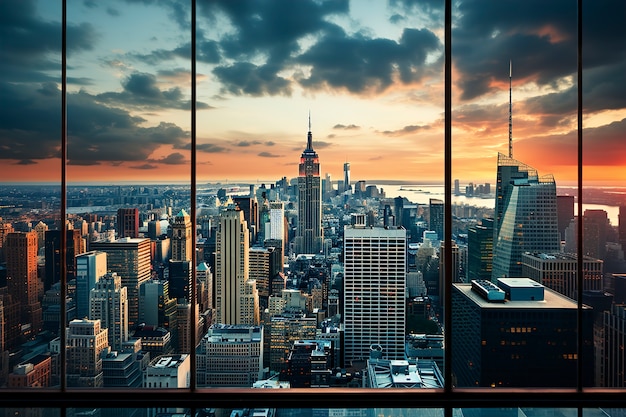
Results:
<point x="207" y="51"/>
<point x="141" y="90"/>
<point x="144" y="166"/>
<point x="346" y="127"/>
<point x="269" y="143"/>
<point x="210" y="148"/>
<point x="406" y="130"/>
<point x="320" y="144"/>
<point x="246" y="143"/>
<point x="245" y="78"/>
<point x="175" y="158"/>
<point x="268" y="155"/>
<point x="26" y="162"/>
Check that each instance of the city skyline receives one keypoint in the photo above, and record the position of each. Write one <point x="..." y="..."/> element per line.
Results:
<point x="370" y="73"/>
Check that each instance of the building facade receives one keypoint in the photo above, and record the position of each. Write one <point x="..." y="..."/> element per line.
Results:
<point x="375" y="267"/>
<point x="108" y="302"/>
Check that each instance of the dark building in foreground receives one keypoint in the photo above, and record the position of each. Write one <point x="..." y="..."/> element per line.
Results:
<point x="517" y="334"/>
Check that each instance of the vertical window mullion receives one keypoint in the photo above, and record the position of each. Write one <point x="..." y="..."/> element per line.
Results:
<point x="448" y="197"/>
<point x="63" y="240"/>
<point x="192" y="314"/>
<point x="579" y="257"/>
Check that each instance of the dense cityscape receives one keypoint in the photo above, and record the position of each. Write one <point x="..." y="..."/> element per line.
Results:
<point x="307" y="282"/>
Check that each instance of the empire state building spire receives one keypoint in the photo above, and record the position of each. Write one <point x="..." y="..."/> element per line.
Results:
<point x="309" y="142"/>
<point x="309" y="232"/>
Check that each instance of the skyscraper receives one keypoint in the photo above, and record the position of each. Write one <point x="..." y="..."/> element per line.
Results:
<point x="182" y="237"/>
<point x="86" y="340"/>
<point x="22" y="280"/>
<point x="346" y="178"/>
<point x="52" y="251"/>
<point x="309" y="232"/>
<point x="235" y="301"/>
<point x="127" y="222"/>
<point x="90" y="267"/>
<point x="108" y="302"/>
<point x="130" y="259"/>
<point x="480" y="250"/>
<point x="374" y="290"/>
<point x="526" y="216"/>
<point x="436" y="216"/>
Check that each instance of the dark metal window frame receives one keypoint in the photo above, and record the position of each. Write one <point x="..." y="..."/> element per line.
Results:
<point x="445" y="399"/>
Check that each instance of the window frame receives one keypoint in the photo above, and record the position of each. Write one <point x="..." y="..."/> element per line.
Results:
<point x="447" y="398"/>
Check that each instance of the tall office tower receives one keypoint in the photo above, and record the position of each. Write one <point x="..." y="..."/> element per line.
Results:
<point x="86" y="340"/>
<point x="559" y="271"/>
<point x="375" y="266"/>
<point x="517" y="334"/>
<point x="5" y="229"/>
<point x="108" y="302"/>
<point x="436" y="217"/>
<point x="156" y="308"/>
<point x="457" y="188"/>
<point x="564" y="212"/>
<point x="309" y="231"/>
<point x="526" y="216"/>
<point x="613" y="365"/>
<point x="127" y="224"/>
<point x="283" y="331"/>
<point x="346" y="178"/>
<point x="130" y="259"/>
<point x="22" y="280"/>
<point x="183" y="315"/>
<point x="234" y="296"/>
<point x="90" y="267"/>
<point x="52" y="253"/>
<point x="277" y="230"/>
<point x="621" y="227"/>
<point x="250" y="208"/>
<point x="41" y="228"/>
<point x="480" y="250"/>
<point x="180" y="278"/>
<point x="454" y="264"/>
<point x="204" y="278"/>
<point x="226" y="345"/>
<point x="595" y="227"/>
<point x="182" y="237"/>
<point x="264" y="264"/>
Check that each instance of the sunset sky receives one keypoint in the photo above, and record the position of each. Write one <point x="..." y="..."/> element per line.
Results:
<point x="370" y="72"/>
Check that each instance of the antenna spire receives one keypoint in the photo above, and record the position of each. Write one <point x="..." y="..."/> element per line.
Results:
<point x="309" y="144"/>
<point x="510" y="110"/>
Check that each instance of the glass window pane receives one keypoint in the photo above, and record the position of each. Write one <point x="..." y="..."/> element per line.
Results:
<point x="30" y="193"/>
<point x="312" y="112"/>
<point x="604" y="202"/>
<point x="128" y="195"/>
<point x="514" y="314"/>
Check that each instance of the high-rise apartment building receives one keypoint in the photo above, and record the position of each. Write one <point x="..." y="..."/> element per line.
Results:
<point x="108" y="302"/>
<point x="375" y="267"/>
<point x="559" y="271"/>
<point x="309" y="232"/>
<point x="90" y="267"/>
<point x="127" y="224"/>
<point x="86" y="340"/>
<point x="526" y="216"/>
<point x="22" y="281"/>
<point x="517" y="334"/>
<point x="130" y="259"/>
<point x="236" y="299"/>
<point x="225" y="345"/>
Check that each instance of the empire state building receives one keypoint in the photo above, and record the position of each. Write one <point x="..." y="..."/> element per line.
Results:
<point x="309" y="234"/>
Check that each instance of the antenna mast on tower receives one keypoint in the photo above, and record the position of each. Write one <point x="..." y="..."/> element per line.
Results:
<point x="510" y="111"/>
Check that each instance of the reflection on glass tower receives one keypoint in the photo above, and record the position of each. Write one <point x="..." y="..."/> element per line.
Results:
<point x="525" y="216"/>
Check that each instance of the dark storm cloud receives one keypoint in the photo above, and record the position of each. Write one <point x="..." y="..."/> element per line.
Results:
<point x="249" y="79"/>
<point x="540" y="37"/>
<point x="141" y="90"/>
<point x="346" y="127"/>
<point x="361" y="64"/>
<point x="207" y="51"/>
<point x="31" y="46"/>
<point x="406" y="130"/>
